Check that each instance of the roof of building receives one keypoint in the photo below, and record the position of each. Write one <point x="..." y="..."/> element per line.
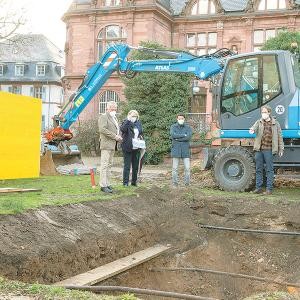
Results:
<point x="228" y="5"/>
<point x="31" y="50"/>
<point x="234" y="5"/>
<point x="31" y="47"/>
<point x="176" y="6"/>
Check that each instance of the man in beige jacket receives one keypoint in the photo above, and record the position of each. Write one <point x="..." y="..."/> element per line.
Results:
<point x="109" y="136"/>
<point x="268" y="142"/>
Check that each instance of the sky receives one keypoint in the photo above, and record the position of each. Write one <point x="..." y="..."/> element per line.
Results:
<point x="44" y="16"/>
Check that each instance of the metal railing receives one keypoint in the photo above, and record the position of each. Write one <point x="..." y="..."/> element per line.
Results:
<point x="200" y="122"/>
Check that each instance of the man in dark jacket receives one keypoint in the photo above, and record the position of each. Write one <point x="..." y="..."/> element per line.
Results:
<point x="181" y="134"/>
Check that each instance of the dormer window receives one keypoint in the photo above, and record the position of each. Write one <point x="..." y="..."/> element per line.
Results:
<point x="272" y="4"/>
<point x="1" y="70"/>
<point x="203" y="7"/>
<point x="112" y="2"/>
<point x="40" y="70"/>
<point x="19" y="70"/>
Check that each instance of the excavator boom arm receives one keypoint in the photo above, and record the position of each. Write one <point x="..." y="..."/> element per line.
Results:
<point x="115" y="59"/>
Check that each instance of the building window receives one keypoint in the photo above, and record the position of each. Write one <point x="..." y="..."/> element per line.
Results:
<point x="110" y="35"/>
<point x="112" y="2"/>
<point x="15" y="89"/>
<point x="106" y="97"/>
<point x="202" y="43"/>
<point x="38" y="92"/>
<point x="1" y="70"/>
<point x="43" y="122"/>
<point x="40" y="70"/>
<point x="203" y="7"/>
<point x="19" y="70"/>
<point x="272" y="4"/>
<point x="262" y="35"/>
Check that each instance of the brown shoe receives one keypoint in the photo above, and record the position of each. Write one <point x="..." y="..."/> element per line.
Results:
<point x="257" y="191"/>
<point x="268" y="192"/>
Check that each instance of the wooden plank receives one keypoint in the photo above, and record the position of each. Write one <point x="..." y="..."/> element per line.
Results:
<point x="17" y="190"/>
<point x="101" y="273"/>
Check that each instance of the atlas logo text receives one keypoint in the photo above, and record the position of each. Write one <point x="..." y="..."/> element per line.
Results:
<point x="162" y="68"/>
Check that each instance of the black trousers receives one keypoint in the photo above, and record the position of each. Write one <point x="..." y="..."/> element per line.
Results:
<point x="131" y="159"/>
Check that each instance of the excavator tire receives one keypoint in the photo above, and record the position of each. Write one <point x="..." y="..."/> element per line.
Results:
<point x="234" y="169"/>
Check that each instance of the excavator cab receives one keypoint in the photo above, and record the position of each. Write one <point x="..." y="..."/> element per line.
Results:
<point x="253" y="80"/>
<point x="250" y="81"/>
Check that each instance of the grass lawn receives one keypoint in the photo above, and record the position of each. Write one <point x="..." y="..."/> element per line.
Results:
<point x="56" y="190"/>
<point x="46" y="292"/>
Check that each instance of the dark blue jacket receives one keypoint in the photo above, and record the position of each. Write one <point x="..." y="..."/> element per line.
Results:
<point x="127" y="130"/>
<point x="181" y="136"/>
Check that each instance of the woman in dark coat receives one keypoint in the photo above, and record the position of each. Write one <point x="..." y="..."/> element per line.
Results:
<point x="132" y="142"/>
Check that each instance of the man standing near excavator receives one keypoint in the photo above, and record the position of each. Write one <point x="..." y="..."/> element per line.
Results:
<point x="267" y="143"/>
<point x="109" y="136"/>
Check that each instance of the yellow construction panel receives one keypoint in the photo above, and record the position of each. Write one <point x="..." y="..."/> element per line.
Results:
<point x="20" y="136"/>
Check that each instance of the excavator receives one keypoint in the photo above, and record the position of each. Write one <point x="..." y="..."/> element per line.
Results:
<point x="242" y="84"/>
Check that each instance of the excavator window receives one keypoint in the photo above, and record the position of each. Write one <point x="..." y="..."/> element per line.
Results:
<point x="249" y="83"/>
<point x="296" y="68"/>
<point x="240" y="86"/>
<point x="271" y="79"/>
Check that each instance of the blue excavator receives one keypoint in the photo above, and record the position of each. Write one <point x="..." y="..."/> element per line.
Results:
<point x="242" y="84"/>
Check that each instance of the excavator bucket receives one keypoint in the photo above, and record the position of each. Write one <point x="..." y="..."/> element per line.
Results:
<point x="47" y="166"/>
<point x="53" y="159"/>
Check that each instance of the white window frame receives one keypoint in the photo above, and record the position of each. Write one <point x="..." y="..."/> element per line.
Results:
<point x="201" y="48"/>
<point x="196" y="8"/>
<point x="38" y="91"/>
<point x="19" y="70"/>
<point x="39" y="72"/>
<point x="105" y="97"/>
<point x="15" y="89"/>
<point x="109" y="3"/>
<point x="263" y="5"/>
<point x="1" y="70"/>
<point x="257" y="46"/>
<point x="104" y="42"/>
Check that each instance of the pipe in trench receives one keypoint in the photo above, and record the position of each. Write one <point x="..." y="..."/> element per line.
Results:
<point x="237" y="275"/>
<point x="100" y="289"/>
<point x="251" y="230"/>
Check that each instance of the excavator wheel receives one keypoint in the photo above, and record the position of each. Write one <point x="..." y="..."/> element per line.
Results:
<point x="234" y="169"/>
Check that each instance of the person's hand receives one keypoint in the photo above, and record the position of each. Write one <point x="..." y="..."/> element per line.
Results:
<point x="280" y="153"/>
<point x="251" y="130"/>
<point x="118" y="138"/>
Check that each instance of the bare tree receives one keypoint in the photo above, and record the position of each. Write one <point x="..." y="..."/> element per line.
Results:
<point x="11" y="19"/>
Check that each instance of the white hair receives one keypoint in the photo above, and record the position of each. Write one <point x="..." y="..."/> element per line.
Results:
<point x="134" y="113"/>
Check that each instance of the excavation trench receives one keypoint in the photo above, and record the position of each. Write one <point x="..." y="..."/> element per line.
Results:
<point x="55" y="243"/>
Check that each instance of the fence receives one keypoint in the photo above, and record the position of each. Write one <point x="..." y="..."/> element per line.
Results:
<point x="200" y="122"/>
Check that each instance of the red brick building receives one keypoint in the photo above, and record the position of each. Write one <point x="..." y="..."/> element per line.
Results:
<point x="201" y="26"/>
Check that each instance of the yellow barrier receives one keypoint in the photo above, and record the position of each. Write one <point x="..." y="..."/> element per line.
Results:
<point x="20" y="136"/>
